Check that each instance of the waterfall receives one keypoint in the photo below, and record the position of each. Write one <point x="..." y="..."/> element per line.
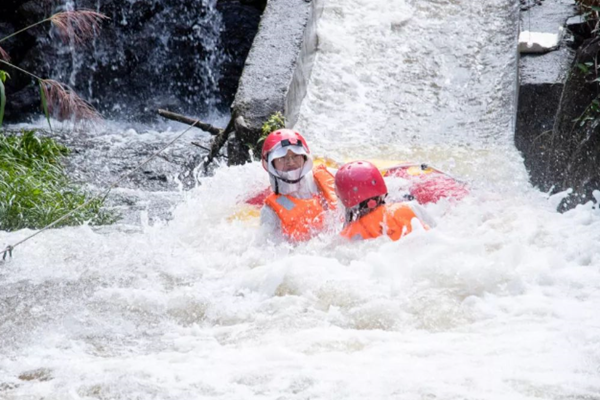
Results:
<point x="151" y="54"/>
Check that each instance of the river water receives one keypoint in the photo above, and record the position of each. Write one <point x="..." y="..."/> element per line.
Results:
<point x="499" y="301"/>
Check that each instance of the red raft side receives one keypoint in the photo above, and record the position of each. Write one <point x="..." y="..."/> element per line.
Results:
<point x="428" y="185"/>
<point x="259" y="199"/>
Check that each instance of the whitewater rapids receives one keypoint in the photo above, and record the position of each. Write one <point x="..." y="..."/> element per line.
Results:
<point x="499" y="301"/>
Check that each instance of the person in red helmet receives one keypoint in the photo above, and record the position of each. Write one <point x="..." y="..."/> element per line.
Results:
<point x="361" y="189"/>
<point x="301" y="195"/>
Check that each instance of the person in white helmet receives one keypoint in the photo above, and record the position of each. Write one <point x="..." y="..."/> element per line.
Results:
<point x="301" y="195"/>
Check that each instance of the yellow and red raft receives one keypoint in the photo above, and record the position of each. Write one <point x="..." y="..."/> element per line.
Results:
<point x="426" y="184"/>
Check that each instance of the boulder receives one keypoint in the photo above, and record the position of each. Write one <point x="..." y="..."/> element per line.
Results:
<point x="276" y="72"/>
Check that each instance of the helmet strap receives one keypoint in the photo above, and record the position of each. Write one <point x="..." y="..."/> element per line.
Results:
<point x="363" y="208"/>
<point x="277" y="179"/>
<point x="290" y="180"/>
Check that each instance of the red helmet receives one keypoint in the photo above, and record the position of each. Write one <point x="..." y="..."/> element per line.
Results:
<point x="358" y="181"/>
<point x="280" y="141"/>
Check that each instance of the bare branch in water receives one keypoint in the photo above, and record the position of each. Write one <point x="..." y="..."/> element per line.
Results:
<point x="65" y="104"/>
<point x="4" y="55"/>
<point x="77" y="25"/>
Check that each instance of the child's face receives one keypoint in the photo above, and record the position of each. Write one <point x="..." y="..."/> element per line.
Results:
<point x="289" y="162"/>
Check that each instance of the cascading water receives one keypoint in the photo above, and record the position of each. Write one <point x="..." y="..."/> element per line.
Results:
<point x="152" y="54"/>
<point x="148" y="55"/>
<point x="498" y="301"/>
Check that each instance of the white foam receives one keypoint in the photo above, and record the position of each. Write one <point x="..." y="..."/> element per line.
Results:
<point x="539" y="42"/>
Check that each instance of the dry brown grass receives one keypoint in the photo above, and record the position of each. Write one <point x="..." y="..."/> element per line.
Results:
<point x="77" y="26"/>
<point x="4" y="55"/>
<point x="65" y="104"/>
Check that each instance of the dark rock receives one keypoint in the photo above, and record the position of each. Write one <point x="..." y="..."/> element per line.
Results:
<point x="541" y="82"/>
<point x="26" y="100"/>
<point x="580" y="29"/>
<point x="536" y="113"/>
<point x="240" y="24"/>
<point x="573" y="160"/>
<point x="33" y="11"/>
<point x="560" y="152"/>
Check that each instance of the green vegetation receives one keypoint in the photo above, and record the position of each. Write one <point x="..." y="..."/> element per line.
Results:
<point x="588" y="61"/>
<point x="3" y="77"/>
<point x="274" y="122"/>
<point x="34" y="189"/>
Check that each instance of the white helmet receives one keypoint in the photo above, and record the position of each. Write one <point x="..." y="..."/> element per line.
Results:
<point x="276" y="145"/>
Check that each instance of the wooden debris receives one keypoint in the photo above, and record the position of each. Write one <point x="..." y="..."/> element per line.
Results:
<point x="190" y="121"/>
<point x="218" y="143"/>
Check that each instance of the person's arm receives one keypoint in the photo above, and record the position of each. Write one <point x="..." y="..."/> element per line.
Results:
<point x="269" y="220"/>
<point x="422" y="214"/>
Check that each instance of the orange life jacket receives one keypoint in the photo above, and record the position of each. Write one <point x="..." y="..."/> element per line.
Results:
<point x="393" y="220"/>
<point x="302" y="218"/>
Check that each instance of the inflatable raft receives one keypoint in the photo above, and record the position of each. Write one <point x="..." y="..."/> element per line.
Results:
<point x="420" y="182"/>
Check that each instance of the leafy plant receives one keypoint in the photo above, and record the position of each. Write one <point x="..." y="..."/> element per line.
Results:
<point x="35" y="190"/>
<point x="58" y="99"/>
<point x="274" y="122"/>
<point x="3" y="77"/>
<point x="590" y="69"/>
